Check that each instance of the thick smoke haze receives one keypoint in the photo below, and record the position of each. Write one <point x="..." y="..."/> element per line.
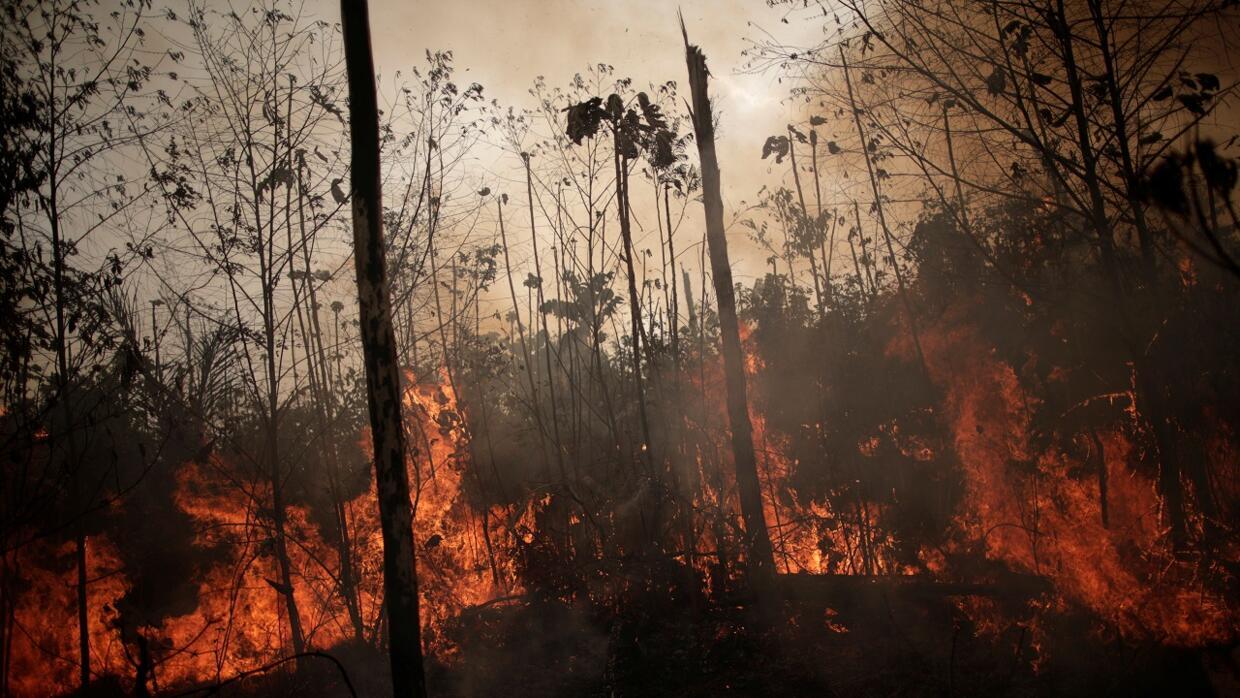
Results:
<point x="578" y="348"/>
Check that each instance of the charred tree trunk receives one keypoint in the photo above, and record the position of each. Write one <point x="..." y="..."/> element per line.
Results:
<point x="400" y="581"/>
<point x="635" y="317"/>
<point x="1101" y="456"/>
<point x="757" y="539"/>
<point x="280" y="522"/>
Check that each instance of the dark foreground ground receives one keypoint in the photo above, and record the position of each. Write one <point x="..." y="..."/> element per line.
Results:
<point x="878" y="642"/>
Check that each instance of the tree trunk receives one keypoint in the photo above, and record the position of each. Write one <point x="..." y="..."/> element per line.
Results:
<point x="526" y="358"/>
<point x="400" y="581"/>
<point x="321" y="390"/>
<point x="547" y="347"/>
<point x="808" y="252"/>
<point x="635" y="318"/>
<point x="269" y="279"/>
<point x="61" y="344"/>
<point x="758" y="541"/>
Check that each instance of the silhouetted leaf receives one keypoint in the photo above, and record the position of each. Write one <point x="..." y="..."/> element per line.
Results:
<point x="1165" y="186"/>
<point x="1195" y="103"/>
<point x="996" y="81"/>
<point x="776" y="145"/>
<point x="584" y="119"/>
<point x="615" y="107"/>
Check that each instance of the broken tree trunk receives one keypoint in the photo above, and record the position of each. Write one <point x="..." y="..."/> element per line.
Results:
<point x="758" y="551"/>
<point x="400" y="581"/>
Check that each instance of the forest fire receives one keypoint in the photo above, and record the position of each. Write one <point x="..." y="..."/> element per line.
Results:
<point x="237" y="622"/>
<point x="1043" y="520"/>
<point x="322" y="374"/>
<point x="1041" y="512"/>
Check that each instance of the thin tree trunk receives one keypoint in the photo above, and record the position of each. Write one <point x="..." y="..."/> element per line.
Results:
<point x="547" y="348"/>
<point x="882" y="221"/>
<point x="961" y="213"/>
<point x="689" y="299"/>
<point x="61" y="344"/>
<point x="805" y="221"/>
<point x="824" y="242"/>
<point x="622" y="200"/>
<point x="267" y="265"/>
<point x="867" y="290"/>
<point x="525" y="350"/>
<point x="400" y="581"/>
<point x="1120" y="126"/>
<point x="758" y="541"/>
<point x="316" y="358"/>
<point x="675" y="310"/>
<point x="865" y="254"/>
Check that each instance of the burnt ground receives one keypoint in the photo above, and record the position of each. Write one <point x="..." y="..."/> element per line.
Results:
<point x="876" y="640"/>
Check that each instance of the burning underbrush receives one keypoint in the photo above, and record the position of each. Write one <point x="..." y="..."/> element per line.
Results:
<point x="232" y="620"/>
<point x="1086" y="521"/>
<point x="947" y="536"/>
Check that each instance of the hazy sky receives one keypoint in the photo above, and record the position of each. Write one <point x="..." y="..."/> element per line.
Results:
<point x="506" y="44"/>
